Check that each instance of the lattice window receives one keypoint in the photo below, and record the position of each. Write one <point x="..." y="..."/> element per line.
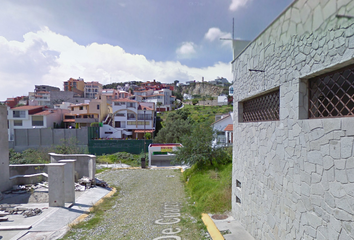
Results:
<point x="262" y="108"/>
<point x="331" y="94"/>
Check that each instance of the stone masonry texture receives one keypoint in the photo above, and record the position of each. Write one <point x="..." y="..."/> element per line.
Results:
<point x="296" y="174"/>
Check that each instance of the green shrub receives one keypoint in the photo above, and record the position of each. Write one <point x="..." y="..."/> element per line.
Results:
<point x="209" y="188"/>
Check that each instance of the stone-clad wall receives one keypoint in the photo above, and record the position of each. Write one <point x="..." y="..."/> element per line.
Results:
<point x="296" y="174"/>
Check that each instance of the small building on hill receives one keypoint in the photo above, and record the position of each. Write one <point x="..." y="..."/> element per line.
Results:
<point x="161" y="154"/>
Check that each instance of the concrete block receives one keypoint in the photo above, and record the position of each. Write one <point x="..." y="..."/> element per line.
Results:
<point x="56" y="184"/>
<point x="5" y="183"/>
<point x="69" y="180"/>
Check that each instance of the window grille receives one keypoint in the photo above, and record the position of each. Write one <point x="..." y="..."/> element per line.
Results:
<point x="331" y="94"/>
<point x="262" y="108"/>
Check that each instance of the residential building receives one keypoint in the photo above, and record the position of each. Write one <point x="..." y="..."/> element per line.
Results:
<point x="83" y="114"/>
<point x="92" y="89"/>
<point x="293" y="158"/>
<point x="40" y="98"/>
<point x="28" y="117"/>
<point x="222" y="137"/>
<point x="63" y="96"/>
<point x="45" y="88"/>
<point x="220" y="82"/>
<point x="163" y="99"/>
<point x="130" y="119"/>
<point x="77" y="86"/>
<point x="12" y="102"/>
<point x="222" y="100"/>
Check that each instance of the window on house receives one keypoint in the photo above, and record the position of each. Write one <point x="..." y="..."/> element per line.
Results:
<point x="98" y="107"/>
<point x="19" y="114"/>
<point x="81" y="108"/>
<point x="238" y="183"/>
<point x="332" y="94"/>
<point x="130" y="116"/>
<point x="37" y="121"/>
<point x="131" y="122"/>
<point x="144" y="116"/>
<point x="17" y="123"/>
<point x="132" y="105"/>
<point x="119" y="124"/>
<point x="120" y="115"/>
<point x="262" y="108"/>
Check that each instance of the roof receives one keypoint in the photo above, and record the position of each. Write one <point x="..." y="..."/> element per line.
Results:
<point x="225" y="116"/>
<point x="229" y="127"/>
<point x="79" y="105"/>
<point x="154" y="95"/>
<point x="27" y="107"/>
<point x="124" y="100"/>
<point x="43" y="113"/>
<point x="146" y="108"/>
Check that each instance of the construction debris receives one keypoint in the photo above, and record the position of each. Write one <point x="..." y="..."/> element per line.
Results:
<point x="86" y="183"/>
<point x="101" y="183"/>
<point x="79" y="187"/>
<point x="32" y="212"/>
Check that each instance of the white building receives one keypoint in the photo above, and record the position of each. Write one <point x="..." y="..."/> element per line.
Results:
<point x="28" y="117"/>
<point x="161" y="154"/>
<point x="131" y="119"/>
<point x="222" y="137"/>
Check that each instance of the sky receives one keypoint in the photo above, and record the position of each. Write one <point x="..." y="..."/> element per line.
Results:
<point x="49" y="41"/>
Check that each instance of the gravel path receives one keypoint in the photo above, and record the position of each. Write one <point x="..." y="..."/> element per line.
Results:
<point x="149" y="206"/>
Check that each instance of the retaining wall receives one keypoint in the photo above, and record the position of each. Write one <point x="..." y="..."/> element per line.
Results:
<point x="294" y="178"/>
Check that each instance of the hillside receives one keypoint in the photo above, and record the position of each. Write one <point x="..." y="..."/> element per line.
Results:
<point x="203" y="89"/>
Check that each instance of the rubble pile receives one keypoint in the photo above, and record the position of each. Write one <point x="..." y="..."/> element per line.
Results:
<point x="86" y="183"/>
<point x="19" y="189"/>
<point x="31" y="212"/>
<point x="7" y="209"/>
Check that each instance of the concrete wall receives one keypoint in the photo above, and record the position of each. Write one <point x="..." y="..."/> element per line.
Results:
<point x="28" y="173"/>
<point x="47" y="137"/>
<point x="4" y="151"/>
<point x="295" y="177"/>
<point x="85" y="164"/>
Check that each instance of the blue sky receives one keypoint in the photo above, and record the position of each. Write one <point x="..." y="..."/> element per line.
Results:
<point x="47" y="42"/>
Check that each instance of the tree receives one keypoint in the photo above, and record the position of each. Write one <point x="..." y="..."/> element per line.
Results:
<point x="195" y="101"/>
<point x="159" y="105"/>
<point x="197" y="148"/>
<point x="175" y="127"/>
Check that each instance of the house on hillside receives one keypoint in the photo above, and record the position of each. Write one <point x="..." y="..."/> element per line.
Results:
<point x="130" y="119"/>
<point x="222" y="137"/>
<point x="28" y="117"/>
<point x="293" y="129"/>
<point x="83" y="114"/>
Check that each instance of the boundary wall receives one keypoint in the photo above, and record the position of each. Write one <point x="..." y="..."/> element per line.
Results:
<point x="294" y="178"/>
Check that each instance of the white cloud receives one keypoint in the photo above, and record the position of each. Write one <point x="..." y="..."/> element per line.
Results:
<point x="215" y="34"/>
<point x="236" y="4"/>
<point x="45" y="57"/>
<point x="187" y="50"/>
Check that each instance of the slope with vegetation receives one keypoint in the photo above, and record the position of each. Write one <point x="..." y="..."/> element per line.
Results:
<point x="209" y="178"/>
